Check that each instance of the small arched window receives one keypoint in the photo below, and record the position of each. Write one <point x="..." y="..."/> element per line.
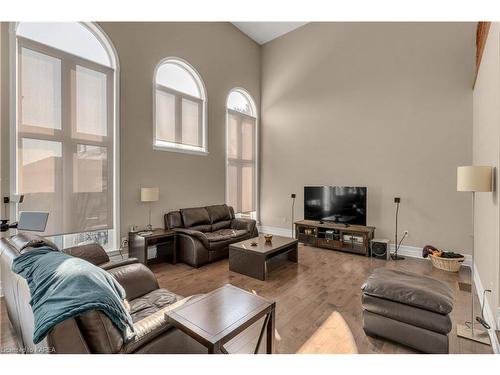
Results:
<point x="240" y="101"/>
<point x="179" y="108"/>
<point x="241" y="153"/>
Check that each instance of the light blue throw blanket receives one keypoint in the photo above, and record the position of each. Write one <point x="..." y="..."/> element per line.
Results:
<point x="63" y="287"/>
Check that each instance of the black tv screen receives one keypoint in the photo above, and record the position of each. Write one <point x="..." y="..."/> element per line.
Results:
<point x="335" y="204"/>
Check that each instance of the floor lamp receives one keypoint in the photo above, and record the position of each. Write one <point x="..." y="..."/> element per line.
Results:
<point x="473" y="179"/>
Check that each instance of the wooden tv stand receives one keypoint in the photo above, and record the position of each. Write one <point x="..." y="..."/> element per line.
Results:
<point x="350" y="238"/>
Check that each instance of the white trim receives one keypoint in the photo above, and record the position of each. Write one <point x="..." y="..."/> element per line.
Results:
<point x="498" y="318"/>
<point x="488" y="314"/>
<point x="177" y="147"/>
<point x="255" y="115"/>
<point x="13" y="101"/>
<point x="275" y="231"/>
<point x="204" y="97"/>
<point x="97" y="30"/>
<point x="416" y="252"/>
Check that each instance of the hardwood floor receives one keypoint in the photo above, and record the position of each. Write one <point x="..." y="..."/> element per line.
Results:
<point x="307" y="293"/>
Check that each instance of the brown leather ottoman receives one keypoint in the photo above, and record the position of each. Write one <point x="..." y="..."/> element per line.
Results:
<point x="407" y="308"/>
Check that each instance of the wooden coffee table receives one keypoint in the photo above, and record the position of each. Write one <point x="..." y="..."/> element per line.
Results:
<point x="253" y="261"/>
<point x="217" y="317"/>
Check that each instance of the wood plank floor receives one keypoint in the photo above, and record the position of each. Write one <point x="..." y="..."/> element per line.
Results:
<point x="307" y="293"/>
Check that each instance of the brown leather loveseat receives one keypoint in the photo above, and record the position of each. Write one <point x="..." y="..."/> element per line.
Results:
<point x="93" y="332"/>
<point x="205" y="233"/>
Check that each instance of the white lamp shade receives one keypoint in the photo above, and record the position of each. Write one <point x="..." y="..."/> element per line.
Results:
<point x="474" y="178"/>
<point x="150" y="194"/>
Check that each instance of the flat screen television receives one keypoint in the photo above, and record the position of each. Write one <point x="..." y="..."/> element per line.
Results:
<point x="335" y="204"/>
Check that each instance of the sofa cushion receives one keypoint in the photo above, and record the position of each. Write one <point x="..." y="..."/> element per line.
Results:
<point x="219" y="212"/>
<point x="410" y="289"/>
<point x="202" y="228"/>
<point x="151" y="302"/>
<point x="225" y="224"/>
<point x="225" y="234"/>
<point x="195" y="216"/>
<point x="154" y="323"/>
<point x="408" y="314"/>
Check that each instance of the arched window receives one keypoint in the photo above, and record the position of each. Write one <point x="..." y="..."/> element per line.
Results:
<point x="179" y="108"/>
<point x="241" y="153"/>
<point x="65" y="129"/>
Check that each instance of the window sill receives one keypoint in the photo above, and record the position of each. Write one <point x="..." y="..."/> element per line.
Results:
<point x="180" y="148"/>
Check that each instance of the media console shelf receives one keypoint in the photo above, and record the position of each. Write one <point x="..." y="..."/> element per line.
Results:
<point x="351" y="238"/>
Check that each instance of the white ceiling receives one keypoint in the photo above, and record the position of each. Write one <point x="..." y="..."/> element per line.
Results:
<point x="263" y="32"/>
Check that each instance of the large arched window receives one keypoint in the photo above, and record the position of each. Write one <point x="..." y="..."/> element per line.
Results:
<point x="65" y="138"/>
<point x="241" y="153"/>
<point x="179" y="108"/>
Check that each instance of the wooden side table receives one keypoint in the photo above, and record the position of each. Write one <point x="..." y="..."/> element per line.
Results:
<point x="218" y="316"/>
<point x="138" y="245"/>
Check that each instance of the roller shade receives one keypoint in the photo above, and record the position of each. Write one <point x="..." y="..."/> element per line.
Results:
<point x="241" y="168"/>
<point x="65" y="139"/>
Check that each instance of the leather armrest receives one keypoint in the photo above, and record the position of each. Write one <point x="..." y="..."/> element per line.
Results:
<point x="118" y="263"/>
<point x="194" y="233"/>
<point x="243" y="224"/>
<point x="136" y="279"/>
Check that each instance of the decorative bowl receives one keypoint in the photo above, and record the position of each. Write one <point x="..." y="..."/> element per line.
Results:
<point x="268" y="237"/>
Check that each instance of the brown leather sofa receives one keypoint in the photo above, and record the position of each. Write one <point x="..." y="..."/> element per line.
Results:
<point x="205" y="233"/>
<point x="93" y="332"/>
<point x="96" y="255"/>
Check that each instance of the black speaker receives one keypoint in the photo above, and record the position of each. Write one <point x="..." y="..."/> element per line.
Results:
<point x="379" y="248"/>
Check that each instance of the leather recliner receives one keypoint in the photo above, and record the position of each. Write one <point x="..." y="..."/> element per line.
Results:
<point x="93" y="332"/>
<point x="205" y="233"/>
<point x="95" y="254"/>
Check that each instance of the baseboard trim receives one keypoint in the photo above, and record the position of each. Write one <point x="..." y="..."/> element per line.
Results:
<point x="275" y="231"/>
<point x="488" y="313"/>
<point x="416" y="252"/>
<point x="498" y="319"/>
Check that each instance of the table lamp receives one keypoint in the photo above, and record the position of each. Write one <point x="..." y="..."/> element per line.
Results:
<point x="473" y="179"/>
<point x="150" y="194"/>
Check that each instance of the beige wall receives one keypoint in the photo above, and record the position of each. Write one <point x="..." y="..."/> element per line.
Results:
<point x="225" y="58"/>
<point x="382" y="105"/>
<point x="486" y="151"/>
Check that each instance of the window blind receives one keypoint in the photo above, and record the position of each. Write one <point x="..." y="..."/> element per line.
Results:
<point x="65" y="138"/>
<point x="241" y="158"/>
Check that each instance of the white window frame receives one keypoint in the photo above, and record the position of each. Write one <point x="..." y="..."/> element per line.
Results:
<point x="255" y="113"/>
<point x="13" y="119"/>
<point x="160" y="145"/>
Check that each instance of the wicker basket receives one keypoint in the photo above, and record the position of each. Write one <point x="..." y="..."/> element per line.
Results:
<point x="447" y="264"/>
